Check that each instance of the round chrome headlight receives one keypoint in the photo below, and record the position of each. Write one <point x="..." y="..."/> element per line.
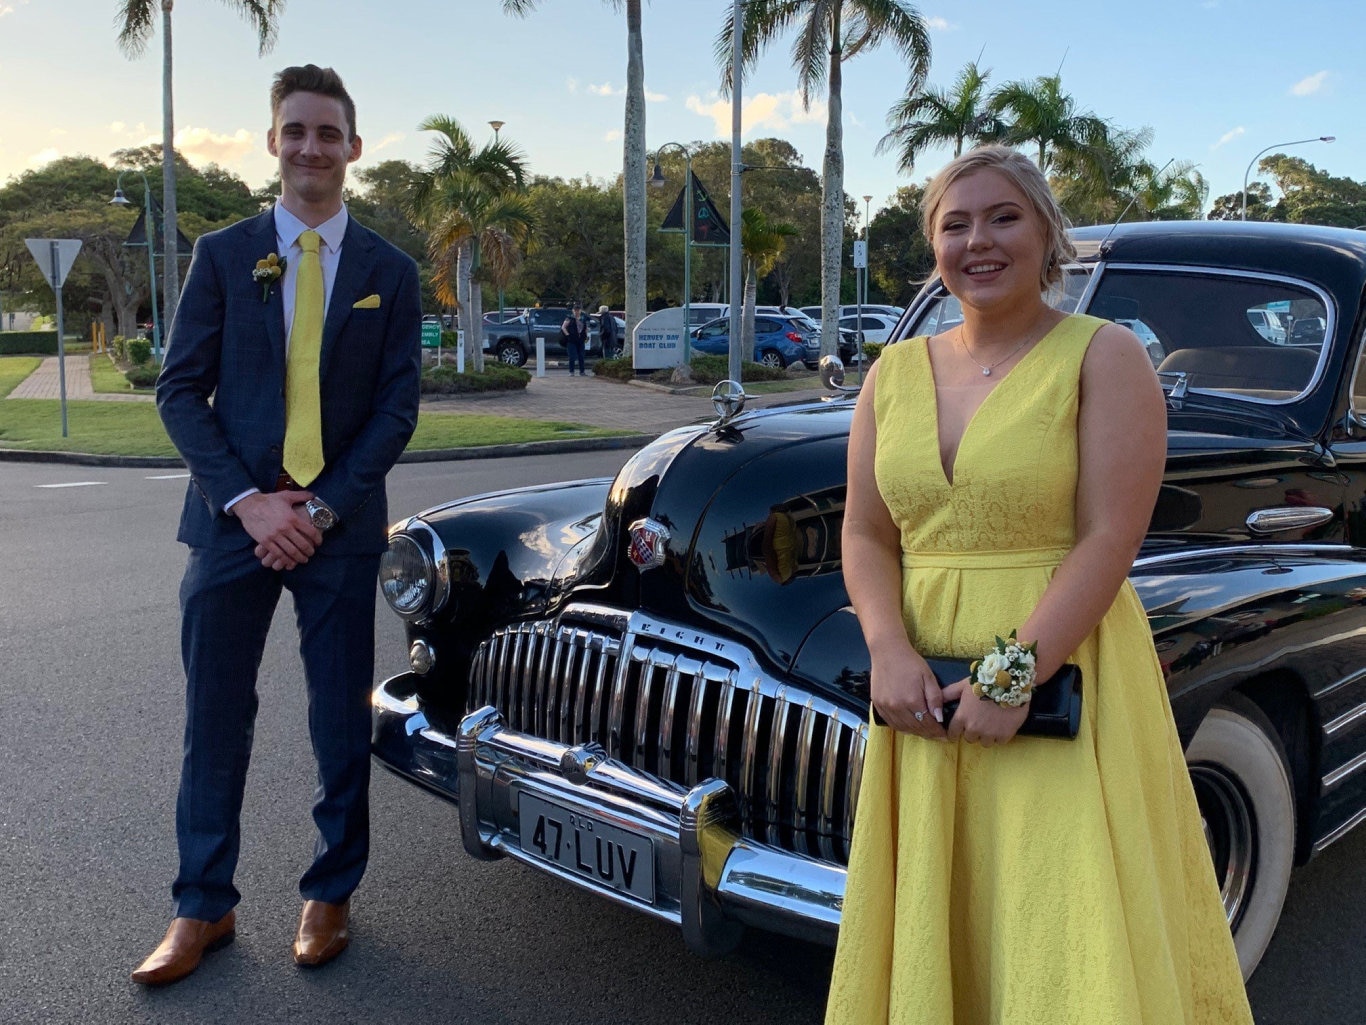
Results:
<point x="412" y="574"/>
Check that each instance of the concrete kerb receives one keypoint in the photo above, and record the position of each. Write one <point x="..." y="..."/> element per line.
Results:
<point x="436" y="455"/>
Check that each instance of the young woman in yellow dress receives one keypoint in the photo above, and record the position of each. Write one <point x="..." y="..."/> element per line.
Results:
<point x="1001" y="478"/>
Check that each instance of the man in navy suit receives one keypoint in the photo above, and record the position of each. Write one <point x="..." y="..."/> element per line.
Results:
<point x="253" y="530"/>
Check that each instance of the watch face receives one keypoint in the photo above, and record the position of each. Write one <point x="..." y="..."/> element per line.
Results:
<point x="321" y="516"/>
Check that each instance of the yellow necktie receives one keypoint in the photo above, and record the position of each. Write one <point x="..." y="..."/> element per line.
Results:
<point x="303" y="407"/>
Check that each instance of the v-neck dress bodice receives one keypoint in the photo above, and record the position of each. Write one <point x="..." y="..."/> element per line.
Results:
<point x="1044" y="881"/>
<point x="1015" y="468"/>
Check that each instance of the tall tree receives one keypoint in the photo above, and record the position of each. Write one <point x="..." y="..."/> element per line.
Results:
<point x="828" y="33"/>
<point x="935" y="117"/>
<point x="762" y="241"/>
<point x="471" y="202"/>
<point x="1041" y="113"/>
<point x="632" y="155"/>
<point x="135" y="19"/>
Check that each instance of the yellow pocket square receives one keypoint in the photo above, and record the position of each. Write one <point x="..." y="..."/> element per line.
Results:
<point x="370" y="302"/>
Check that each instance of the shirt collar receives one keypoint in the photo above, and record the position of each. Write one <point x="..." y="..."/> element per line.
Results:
<point x="332" y="231"/>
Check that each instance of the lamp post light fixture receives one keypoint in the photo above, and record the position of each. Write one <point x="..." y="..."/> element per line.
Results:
<point x="863" y="296"/>
<point x="657" y="181"/>
<point x="149" y="240"/>
<point x="1279" y="145"/>
<point x="497" y="127"/>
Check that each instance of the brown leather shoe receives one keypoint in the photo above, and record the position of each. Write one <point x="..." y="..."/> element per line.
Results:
<point x="323" y="933"/>
<point x="185" y="944"/>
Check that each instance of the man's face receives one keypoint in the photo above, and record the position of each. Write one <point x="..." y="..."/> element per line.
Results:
<point x="310" y="138"/>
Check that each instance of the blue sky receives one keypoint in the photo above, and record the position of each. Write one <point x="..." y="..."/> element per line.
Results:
<point x="1216" y="80"/>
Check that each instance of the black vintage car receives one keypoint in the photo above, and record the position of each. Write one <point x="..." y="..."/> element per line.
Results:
<point x="654" y="687"/>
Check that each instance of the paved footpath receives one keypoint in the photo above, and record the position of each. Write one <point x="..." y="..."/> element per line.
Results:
<point x="598" y="402"/>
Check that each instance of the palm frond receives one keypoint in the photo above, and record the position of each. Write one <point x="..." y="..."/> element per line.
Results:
<point x="135" y="20"/>
<point x="264" y="17"/>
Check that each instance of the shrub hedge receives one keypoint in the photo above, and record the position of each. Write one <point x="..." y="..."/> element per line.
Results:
<point x="144" y="375"/>
<point x="28" y="343"/>
<point x="711" y="369"/>
<point x="139" y="351"/>
<point x="444" y="380"/>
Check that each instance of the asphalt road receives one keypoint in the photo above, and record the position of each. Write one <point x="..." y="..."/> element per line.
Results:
<point x="91" y="703"/>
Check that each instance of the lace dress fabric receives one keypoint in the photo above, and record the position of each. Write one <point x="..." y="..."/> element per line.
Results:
<point x="1045" y="882"/>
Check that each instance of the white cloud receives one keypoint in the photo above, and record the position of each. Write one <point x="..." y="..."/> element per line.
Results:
<point x="44" y="156"/>
<point x="763" y="111"/>
<point x="938" y="24"/>
<point x="8" y="8"/>
<point x="1228" y="137"/>
<point x="117" y="127"/>
<point x="606" y="90"/>
<point x="1309" y="86"/>
<point x="654" y="97"/>
<point x="202" y="146"/>
<point x="613" y="136"/>
<point x="388" y="140"/>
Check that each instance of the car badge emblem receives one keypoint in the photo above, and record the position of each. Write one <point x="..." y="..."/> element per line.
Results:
<point x="648" y="538"/>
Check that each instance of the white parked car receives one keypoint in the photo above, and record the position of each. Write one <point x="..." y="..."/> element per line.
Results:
<point x="877" y="327"/>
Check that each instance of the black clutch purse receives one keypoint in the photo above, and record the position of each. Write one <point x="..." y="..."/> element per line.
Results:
<point x="1054" y="708"/>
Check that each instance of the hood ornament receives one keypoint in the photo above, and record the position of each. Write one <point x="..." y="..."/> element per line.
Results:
<point x="648" y="540"/>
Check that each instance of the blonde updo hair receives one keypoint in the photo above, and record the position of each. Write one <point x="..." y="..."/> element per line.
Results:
<point x="1025" y="175"/>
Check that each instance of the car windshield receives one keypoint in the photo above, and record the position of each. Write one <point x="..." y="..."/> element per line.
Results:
<point x="1256" y="338"/>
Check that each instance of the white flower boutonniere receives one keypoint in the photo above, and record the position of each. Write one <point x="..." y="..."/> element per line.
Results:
<point x="1005" y="674"/>
<point x="267" y="272"/>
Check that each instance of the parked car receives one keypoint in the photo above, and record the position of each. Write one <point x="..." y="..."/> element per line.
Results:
<point x="877" y="327"/>
<point x="512" y="340"/>
<point x="654" y="688"/>
<point x="1268" y="324"/>
<point x="849" y="310"/>
<point x="778" y="341"/>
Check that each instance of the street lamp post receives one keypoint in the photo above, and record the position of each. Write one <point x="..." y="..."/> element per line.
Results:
<point x="497" y="127"/>
<point x="1279" y="145"/>
<point x="867" y="254"/>
<point x="149" y="239"/>
<point x="657" y="180"/>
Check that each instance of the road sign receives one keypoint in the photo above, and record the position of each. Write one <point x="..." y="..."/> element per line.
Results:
<point x="431" y="334"/>
<point x="861" y="253"/>
<point x="55" y="269"/>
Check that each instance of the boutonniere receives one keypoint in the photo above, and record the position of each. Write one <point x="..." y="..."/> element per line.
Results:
<point x="268" y="272"/>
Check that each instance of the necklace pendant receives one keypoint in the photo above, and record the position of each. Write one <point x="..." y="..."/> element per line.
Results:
<point x="986" y="371"/>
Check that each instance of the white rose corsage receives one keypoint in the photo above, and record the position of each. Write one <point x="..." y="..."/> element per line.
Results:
<point x="1005" y="674"/>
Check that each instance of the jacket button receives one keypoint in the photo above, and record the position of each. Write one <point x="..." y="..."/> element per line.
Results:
<point x="274" y="450"/>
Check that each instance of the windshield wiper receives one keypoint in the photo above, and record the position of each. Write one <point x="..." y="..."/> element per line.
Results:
<point x="1174" y="384"/>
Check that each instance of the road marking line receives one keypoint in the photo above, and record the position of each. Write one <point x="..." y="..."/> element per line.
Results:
<point x="169" y="476"/>
<point x="74" y="484"/>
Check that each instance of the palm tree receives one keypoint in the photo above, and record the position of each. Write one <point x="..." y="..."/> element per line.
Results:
<point x="135" y="19"/>
<point x="828" y="33"/>
<point x="1039" y="112"/>
<point x="935" y="118"/>
<point x="1096" y="187"/>
<point x="633" y="154"/>
<point x="763" y="242"/>
<point x="473" y="206"/>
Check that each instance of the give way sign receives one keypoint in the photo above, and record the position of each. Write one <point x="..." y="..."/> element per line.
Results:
<point x="55" y="257"/>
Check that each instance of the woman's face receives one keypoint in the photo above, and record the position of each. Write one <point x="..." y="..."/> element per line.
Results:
<point x="988" y="241"/>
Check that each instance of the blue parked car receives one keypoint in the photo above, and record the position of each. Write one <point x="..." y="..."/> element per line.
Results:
<point x="779" y="341"/>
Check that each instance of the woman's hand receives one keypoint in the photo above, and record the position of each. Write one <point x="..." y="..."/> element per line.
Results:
<point x="906" y="694"/>
<point x="979" y="721"/>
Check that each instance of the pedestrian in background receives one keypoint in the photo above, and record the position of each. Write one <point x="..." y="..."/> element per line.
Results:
<point x="575" y="331"/>
<point x="607" y="332"/>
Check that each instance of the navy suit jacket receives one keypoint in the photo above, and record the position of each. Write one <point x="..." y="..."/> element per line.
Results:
<point x="221" y="392"/>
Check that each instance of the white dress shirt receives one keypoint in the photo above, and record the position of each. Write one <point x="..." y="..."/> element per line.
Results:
<point x="288" y="228"/>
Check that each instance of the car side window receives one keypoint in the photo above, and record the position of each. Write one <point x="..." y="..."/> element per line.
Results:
<point x="712" y="331"/>
<point x="940" y="315"/>
<point x="1229" y="334"/>
<point x="765" y="325"/>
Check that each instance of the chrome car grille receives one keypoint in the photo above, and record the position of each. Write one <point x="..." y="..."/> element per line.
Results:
<point x="684" y="712"/>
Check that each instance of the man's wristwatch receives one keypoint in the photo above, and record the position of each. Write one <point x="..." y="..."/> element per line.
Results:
<point x="322" y="516"/>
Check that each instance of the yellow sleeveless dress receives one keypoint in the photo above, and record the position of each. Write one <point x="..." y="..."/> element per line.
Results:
<point x="1046" y="881"/>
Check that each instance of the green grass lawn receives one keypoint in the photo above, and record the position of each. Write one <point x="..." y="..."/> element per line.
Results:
<point x="105" y="377"/>
<point x="134" y="429"/>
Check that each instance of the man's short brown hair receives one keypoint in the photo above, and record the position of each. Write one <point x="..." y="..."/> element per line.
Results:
<point x="309" y="78"/>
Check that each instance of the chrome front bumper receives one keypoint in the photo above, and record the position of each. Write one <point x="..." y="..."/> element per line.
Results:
<point x="709" y="879"/>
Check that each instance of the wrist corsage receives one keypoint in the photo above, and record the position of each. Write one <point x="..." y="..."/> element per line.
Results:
<point x="1005" y="674"/>
<point x="266" y="273"/>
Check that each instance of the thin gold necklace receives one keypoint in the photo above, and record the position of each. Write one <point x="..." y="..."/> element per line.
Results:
<point x="987" y="368"/>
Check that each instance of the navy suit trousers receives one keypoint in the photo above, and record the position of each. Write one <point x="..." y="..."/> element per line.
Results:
<point x="227" y="601"/>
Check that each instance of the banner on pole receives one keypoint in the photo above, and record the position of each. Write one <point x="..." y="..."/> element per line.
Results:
<point x="708" y="227"/>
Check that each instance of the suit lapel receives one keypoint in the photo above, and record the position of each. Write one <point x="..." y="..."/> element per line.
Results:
<point x="353" y="271"/>
<point x="262" y="242"/>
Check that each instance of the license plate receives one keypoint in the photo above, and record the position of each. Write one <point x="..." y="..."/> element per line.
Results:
<point x="610" y="857"/>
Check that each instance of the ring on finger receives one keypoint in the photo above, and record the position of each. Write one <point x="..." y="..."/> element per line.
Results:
<point x="920" y="716"/>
